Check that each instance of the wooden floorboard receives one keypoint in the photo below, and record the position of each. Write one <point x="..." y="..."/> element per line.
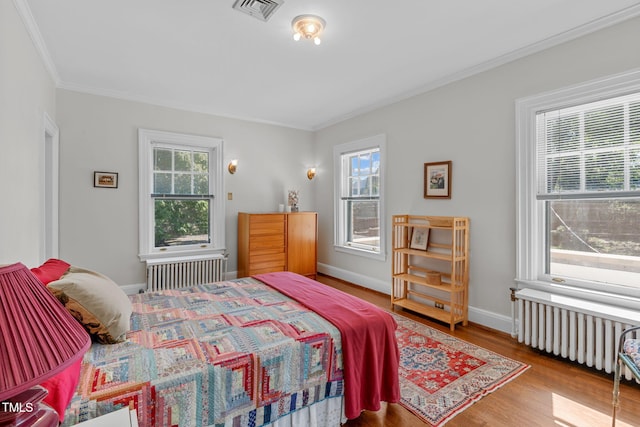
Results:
<point x="552" y="392"/>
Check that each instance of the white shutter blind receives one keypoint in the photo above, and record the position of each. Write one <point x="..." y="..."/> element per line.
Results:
<point x="589" y="151"/>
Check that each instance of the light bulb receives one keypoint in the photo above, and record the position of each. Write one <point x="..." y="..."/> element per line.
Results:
<point x="296" y="36"/>
<point x="311" y="28"/>
<point x="317" y="40"/>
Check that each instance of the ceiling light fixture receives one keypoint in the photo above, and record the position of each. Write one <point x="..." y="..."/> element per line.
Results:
<point x="308" y="27"/>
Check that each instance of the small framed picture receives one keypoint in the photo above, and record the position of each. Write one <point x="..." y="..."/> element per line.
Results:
<point x="437" y="180"/>
<point x="419" y="238"/>
<point x="105" y="179"/>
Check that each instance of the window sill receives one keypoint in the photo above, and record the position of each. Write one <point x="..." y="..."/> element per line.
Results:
<point x="617" y="295"/>
<point x="360" y="252"/>
<point x="191" y="254"/>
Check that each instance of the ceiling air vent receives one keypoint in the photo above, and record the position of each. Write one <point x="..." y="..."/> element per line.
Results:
<point x="261" y="9"/>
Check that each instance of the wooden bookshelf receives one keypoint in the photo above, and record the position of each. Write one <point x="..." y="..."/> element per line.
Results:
<point x="432" y="280"/>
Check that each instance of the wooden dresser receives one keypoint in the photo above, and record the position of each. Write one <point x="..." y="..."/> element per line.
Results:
<point x="277" y="242"/>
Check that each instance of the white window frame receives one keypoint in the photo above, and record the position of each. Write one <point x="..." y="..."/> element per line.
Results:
<point x="530" y="251"/>
<point x="340" y="228"/>
<point x="147" y="139"/>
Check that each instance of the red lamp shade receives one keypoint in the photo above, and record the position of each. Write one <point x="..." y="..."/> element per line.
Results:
<point x="38" y="336"/>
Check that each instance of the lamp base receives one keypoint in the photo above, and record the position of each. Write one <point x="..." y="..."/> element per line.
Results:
<point x="25" y="410"/>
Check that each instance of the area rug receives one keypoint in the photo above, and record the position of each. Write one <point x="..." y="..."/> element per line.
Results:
<point x="441" y="375"/>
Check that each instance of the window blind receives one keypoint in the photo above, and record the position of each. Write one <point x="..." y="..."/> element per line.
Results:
<point x="589" y="151"/>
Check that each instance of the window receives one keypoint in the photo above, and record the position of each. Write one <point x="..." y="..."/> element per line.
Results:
<point x="359" y="184"/>
<point x="180" y="177"/>
<point x="579" y="186"/>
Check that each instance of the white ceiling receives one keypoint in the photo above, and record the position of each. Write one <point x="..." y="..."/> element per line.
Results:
<point x="204" y="56"/>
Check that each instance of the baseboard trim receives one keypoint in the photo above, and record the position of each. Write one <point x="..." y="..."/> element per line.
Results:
<point x="359" y="279"/>
<point x="476" y="315"/>
<point x="135" y="288"/>
<point x="489" y="319"/>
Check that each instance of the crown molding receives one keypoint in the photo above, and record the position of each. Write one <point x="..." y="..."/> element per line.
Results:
<point x="582" y="30"/>
<point x="36" y="37"/>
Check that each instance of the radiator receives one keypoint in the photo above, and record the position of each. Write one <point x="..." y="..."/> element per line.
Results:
<point x="579" y="330"/>
<point x="174" y="273"/>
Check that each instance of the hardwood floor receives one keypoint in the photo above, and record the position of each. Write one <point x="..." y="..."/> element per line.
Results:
<point x="552" y="392"/>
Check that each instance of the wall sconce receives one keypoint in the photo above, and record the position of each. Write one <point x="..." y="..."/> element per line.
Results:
<point x="311" y="173"/>
<point x="233" y="165"/>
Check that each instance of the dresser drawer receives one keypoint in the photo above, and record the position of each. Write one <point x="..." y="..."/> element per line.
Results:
<point x="267" y="262"/>
<point x="266" y="224"/>
<point x="266" y="270"/>
<point x="266" y="244"/>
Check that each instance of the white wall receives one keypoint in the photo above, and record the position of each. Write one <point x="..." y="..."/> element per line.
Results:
<point x="99" y="227"/>
<point x="470" y="122"/>
<point x="26" y="93"/>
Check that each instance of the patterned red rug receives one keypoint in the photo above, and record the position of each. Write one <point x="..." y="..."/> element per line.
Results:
<point x="440" y="375"/>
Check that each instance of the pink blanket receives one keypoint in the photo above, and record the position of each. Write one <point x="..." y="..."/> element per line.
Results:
<point x="369" y="347"/>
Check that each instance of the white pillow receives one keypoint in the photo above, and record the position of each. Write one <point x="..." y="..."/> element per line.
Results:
<point x="97" y="302"/>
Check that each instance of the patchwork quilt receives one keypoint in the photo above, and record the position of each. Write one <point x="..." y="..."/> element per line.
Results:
<point x="236" y="351"/>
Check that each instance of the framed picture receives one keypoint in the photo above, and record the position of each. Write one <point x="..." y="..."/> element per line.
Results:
<point x="437" y="180"/>
<point x="419" y="238"/>
<point x="105" y="179"/>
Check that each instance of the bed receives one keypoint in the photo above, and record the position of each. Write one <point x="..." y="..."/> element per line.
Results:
<point x="274" y="349"/>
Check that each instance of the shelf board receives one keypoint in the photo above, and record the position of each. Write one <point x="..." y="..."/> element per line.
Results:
<point x="434" y="220"/>
<point x="445" y="287"/>
<point x="420" y="225"/>
<point x="411" y="224"/>
<point x="426" y="254"/>
<point x="427" y="310"/>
